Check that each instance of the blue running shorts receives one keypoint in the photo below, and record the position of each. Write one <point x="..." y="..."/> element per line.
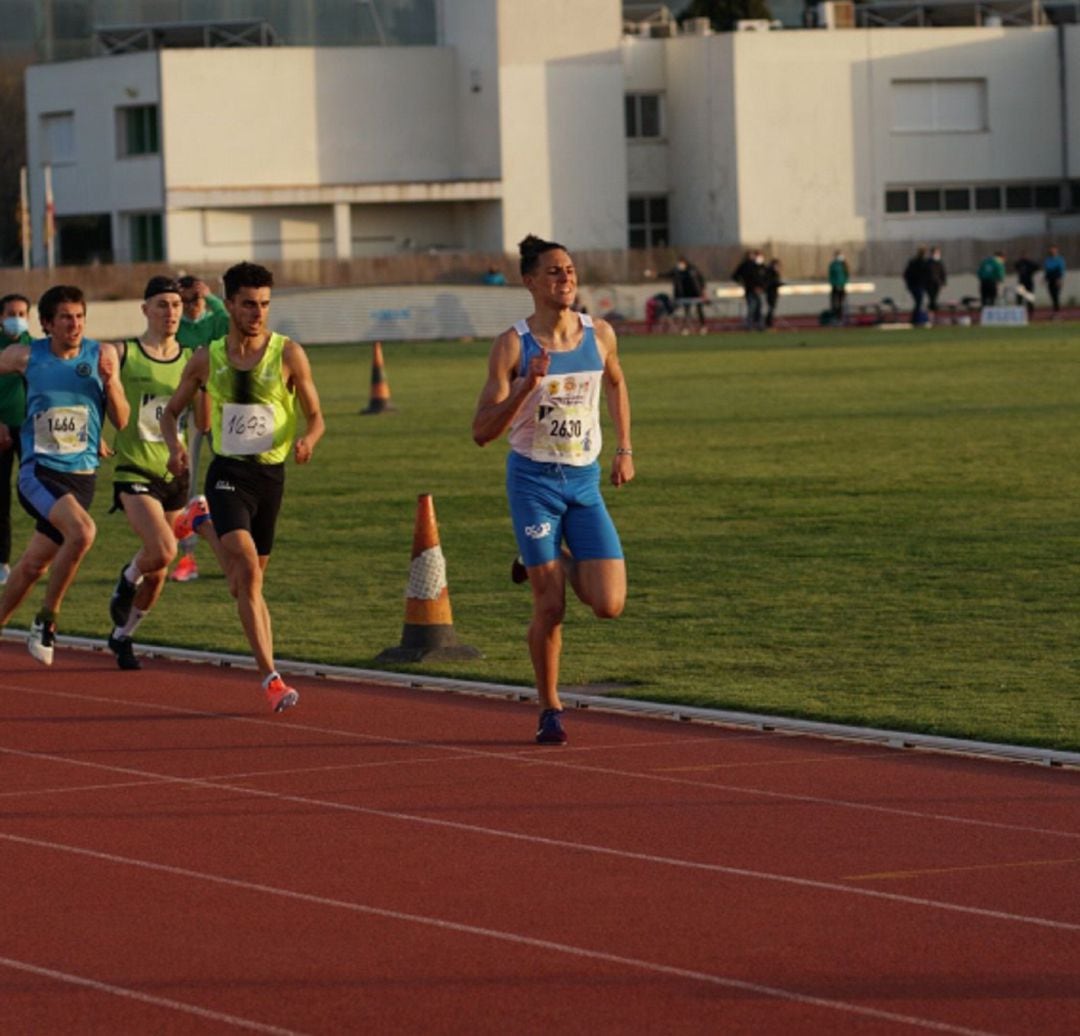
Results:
<point x="550" y="503"/>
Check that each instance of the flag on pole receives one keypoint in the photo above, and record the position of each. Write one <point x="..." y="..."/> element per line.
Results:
<point x="23" y="217"/>
<point x="50" y="219"/>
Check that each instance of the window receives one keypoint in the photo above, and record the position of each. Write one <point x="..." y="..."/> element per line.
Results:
<point x="58" y="138"/>
<point x="897" y="201"/>
<point x="1048" y="196"/>
<point x="927" y="200"/>
<point x="145" y="238"/>
<point x="1019" y="196"/>
<point x="648" y="222"/>
<point x="957" y="199"/>
<point x="987" y="198"/>
<point x="643" y="119"/>
<point x="137" y="130"/>
<point x="939" y="105"/>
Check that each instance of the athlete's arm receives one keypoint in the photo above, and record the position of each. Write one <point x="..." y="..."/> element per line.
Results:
<point x="502" y="394"/>
<point x="116" y="404"/>
<point x="193" y="378"/>
<point x="298" y="369"/>
<point x="618" y="403"/>
<point x="14" y="358"/>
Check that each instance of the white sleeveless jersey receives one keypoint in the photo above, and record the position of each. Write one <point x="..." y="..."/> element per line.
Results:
<point x="559" y="422"/>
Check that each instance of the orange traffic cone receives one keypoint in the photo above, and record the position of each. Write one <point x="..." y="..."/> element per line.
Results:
<point x="380" y="388"/>
<point x="429" y="626"/>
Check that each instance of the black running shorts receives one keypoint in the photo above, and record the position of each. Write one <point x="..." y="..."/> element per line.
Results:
<point x="245" y="495"/>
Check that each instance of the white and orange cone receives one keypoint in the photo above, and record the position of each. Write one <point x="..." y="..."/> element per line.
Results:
<point x="429" y="625"/>
<point x="379" y="402"/>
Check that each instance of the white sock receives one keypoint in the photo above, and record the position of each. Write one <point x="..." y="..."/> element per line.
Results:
<point x="275" y="675"/>
<point x="128" y="628"/>
<point x="132" y="574"/>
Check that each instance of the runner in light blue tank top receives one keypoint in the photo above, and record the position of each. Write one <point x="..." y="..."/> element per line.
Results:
<point x="71" y="382"/>
<point x="545" y="379"/>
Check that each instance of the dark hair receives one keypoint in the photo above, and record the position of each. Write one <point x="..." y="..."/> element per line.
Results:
<point x="531" y="248"/>
<point x="50" y="301"/>
<point x="13" y="297"/>
<point x="159" y="286"/>
<point x="246" y="275"/>
<point x="187" y="281"/>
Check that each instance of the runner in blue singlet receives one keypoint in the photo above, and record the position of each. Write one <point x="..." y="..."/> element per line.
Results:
<point x="71" y="383"/>
<point x="545" y="378"/>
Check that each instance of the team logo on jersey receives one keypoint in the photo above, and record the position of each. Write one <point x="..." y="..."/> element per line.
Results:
<point x="538" y="532"/>
<point x="83" y="370"/>
<point x="224" y="486"/>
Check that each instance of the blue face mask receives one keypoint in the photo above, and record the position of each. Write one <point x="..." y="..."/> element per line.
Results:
<point x="15" y="326"/>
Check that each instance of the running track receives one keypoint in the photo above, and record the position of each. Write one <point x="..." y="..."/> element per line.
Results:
<point x="385" y="860"/>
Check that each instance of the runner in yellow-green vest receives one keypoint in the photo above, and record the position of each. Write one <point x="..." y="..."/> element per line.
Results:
<point x="150" y="496"/>
<point x="255" y="380"/>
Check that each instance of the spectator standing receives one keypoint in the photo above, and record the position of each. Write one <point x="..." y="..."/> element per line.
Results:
<point x="1025" y="278"/>
<point x="915" y="278"/>
<point x="936" y="278"/>
<point x="15" y="313"/>
<point x="688" y="289"/>
<point x="1054" y="275"/>
<point x="750" y="275"/>
<point x="991" y="274"/>
<point x="839" y="275"/>
<point x="773" y="283"/>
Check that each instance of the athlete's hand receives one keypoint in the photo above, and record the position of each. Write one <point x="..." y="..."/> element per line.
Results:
<point x="302" y="450"/>
<point x="178" y="461"/>
<point x="622" y="469"/>
<point x="107" y="363"/>
<point x="104" y="449"/>
<point x="539" y="366"/>
<point x="6" y="441"/>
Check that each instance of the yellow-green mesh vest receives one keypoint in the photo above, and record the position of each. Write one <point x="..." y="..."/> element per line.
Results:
<point x="239" y="398"/>
<point x="141" y="452"/>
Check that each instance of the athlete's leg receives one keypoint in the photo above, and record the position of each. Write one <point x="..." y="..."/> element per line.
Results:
<point x="244" y="570"/>
<point x="26" y="572"/>
<point x="548" y="582"/>
<point x="153" y="526"/>
<point x="600" y="584"/>
<point x="74" y="523"/>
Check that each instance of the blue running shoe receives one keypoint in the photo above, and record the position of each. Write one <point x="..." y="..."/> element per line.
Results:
<point x="551" y="730"/>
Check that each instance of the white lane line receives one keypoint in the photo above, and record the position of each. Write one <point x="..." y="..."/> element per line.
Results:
<point x="144" y="998"/>
<point x="542" y="757"/>
<point x="558" y="843"/>
<point x="514" y="938"/>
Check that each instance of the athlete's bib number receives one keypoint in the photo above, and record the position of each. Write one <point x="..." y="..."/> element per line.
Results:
<point x="61" y="430"/>
<point x="247" y="428"/>
<point x="150" y="410"/>
<point x="562" y="431"/>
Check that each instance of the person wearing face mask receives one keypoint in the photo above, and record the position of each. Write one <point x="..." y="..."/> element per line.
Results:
<point x="14" y="312"/>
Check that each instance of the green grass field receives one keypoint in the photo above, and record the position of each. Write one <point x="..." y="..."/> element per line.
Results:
<point x="868" y="527"/>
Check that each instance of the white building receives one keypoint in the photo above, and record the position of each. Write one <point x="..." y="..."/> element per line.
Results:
<point x="544" y="118"/>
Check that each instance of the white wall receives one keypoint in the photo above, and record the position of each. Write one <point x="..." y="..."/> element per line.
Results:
<point x="563" y="150"/>
<point x="301" y="116"/>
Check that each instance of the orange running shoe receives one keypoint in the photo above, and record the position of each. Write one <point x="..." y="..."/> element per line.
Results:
<point x="186" y="569"/>
<point x="194" y="514"/>
<point x="279" y="695"/>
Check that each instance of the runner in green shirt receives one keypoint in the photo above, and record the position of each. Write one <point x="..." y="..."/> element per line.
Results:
<point x="204" y="319"/>
<point x="15" y="313"/>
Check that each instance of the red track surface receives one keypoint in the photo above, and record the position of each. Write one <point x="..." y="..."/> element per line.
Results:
<point x="379" y="860"/>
